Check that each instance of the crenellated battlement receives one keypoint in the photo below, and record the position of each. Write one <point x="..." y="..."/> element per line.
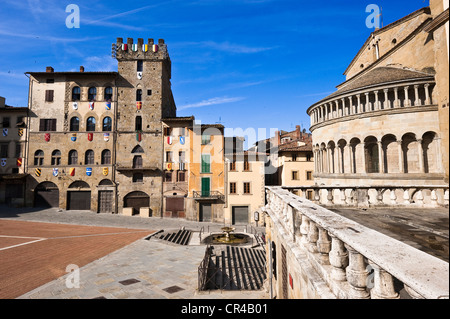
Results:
<point x="130" y="50"/>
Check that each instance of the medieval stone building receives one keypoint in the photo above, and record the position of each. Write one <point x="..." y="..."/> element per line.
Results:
<point x="96" y="137"/>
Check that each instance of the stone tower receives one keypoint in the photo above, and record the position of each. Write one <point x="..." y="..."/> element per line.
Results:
<point x="144" y="98"/>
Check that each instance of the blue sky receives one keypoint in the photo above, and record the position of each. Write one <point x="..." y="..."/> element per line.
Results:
<point x="243" y="63"/>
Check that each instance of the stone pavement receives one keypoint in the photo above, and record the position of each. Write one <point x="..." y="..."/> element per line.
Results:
<point x="146" y="269"/>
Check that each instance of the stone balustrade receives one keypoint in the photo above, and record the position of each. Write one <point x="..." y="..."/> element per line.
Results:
<point x="374" y="196"/>
<point x="352" y="261"/>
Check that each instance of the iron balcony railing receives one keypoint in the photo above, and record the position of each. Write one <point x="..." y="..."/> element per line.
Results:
<point x="209" y="195"/>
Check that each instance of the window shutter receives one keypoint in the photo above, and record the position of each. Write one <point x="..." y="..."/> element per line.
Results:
<point x="53" y="125"/>
<point x="42" y="125"/>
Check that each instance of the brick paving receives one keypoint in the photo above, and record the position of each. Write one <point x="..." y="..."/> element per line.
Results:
<point x="25" y="267"/>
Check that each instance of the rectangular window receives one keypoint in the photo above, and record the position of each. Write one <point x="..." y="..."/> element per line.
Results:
<point x="309" y="195"/>
<point x="168" y="176"/>
<point x="167" y="131"/>
<point x="206" y="139"/>
<point x="308" y="157"/>
<point x="294" y="157"/>
<point x="138" y="123"/>
<point x="182" y="131"/>
<point x="309" y="175"/>
<point x="206" y="163"/>
<point x="233" y="166"/>
<point x="182" y="156"/>
<point x="140" y="66"/>
<point x="294" y="175"/>
<point x="169" y="157"/>
<point x="246" y="166"/>
<point x="138" y="178"/>
<point x="18" y="150"/>
<point x="4" y="150"/>
<point x="20" y="120"/>
<point x="206" y="186"/>
<point x="149" y="92"/>
<point x="181" y="176"/>
<point x="6" y="122"/>
<point x="246" y="188"/>
<point x="47" y="125"/>
<point x="49" y="95"/>
<point x="233" y="189"/>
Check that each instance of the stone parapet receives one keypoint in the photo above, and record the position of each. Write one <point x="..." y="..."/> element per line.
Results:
<point x="346" y="258"/>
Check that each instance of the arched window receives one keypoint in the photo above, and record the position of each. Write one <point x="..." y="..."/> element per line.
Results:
<point x="108" y="93"/>
<point x="140" y="66"/>
<point x="137" y="149"/>
<point x="39" y="158"/>
<point x="74" y="124"/>
<point x="73" y="157"/>
<point x="90" y="124"/>
<point x="107" y="124"/>
<point x="138" y="123"/>
<point x="106" y="157"/>
<point x="138" y="95"/>
<point x="56" y="157"/>
<point x="92" y="94"/>
<point x="89" y="157"/>
<point x="76" y="93"/>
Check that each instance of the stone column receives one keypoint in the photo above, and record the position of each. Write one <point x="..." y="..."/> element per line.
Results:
<point x="437" y="142"/>
<point x="380" y="157"/>
<point x="387" y="103"/>
<point x="358" y="104"/>
<point x="339" y="155"/>
<point x="363" y="157"/>
<point x="351" y="106"/>
<point x="407" y="102"/>
<point x="420" y="154"/>
<point x="322" y="112"/>
<point x="396" y="101"/>
<point x="376" y="106"/>
<point x="368" y="105"/>
<point x="313" y="236"/>
<point x="427" y="94"/>
<point x="350" y="158"/>
<point x="400" y="157"/>
<point x="417" y="101"/>
<point x="357" y="275"/>
<point x="344" y="112"/>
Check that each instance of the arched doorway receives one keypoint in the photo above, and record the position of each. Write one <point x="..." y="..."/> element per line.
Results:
<point x="106" y="196"/>
<point x="79" y="196"/>
<point x="46" y="194"/>
<point x="136" y="200"/>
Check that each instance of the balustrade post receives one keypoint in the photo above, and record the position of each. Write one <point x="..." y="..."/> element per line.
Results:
<point x="368" y="104"/>
<point x="351" y="106"/>
<point x="434" y="198"/>
<point x="359" y="105"/>
<point x="357" y="274"/>
<point x="406" y="197"/>
<point x="446" y="197"/>
<point x="420" y="198"/>
<point x="323" y="246"/>
<point x="383" y="284"/>
<point x="313" y="236"/>
<point x="343" y="198"/>
<point x="392" y="196"/>
<point x="330" y="196"/>
<point x="338" y="257"/>
<point x="379" y="195"/>
<point x="376" y="106"/>
<point x="304" y="228"/>
<point x="396" y="101"/>
<point x="317" y="195"/>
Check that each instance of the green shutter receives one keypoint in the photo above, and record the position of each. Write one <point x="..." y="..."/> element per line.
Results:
<point x="206" y="166"/>
<point x="205" y="187"/>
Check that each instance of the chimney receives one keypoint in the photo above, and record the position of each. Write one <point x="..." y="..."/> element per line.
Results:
<point x="49" y="69"/>
<point x="297" y="132"/>
<point x="278" y="137"/>
<point x="81" y="68"/>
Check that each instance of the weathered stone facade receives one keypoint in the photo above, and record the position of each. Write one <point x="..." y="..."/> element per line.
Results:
<point x="92" y="145"/>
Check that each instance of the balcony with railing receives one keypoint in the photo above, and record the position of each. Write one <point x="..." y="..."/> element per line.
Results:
<point x="208" y="195"/>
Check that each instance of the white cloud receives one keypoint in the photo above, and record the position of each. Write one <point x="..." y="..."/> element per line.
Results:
<point x="212" y="101"/>
<point x="100" y="63"/>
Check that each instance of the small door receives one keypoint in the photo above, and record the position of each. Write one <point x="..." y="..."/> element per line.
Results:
<point x="240" y="215"/>
<point x="174" y="206"/>
<point x="79" y="200"/>
<point x="137" y="202"/>
<point x="206" y="186"/>
<point x="205" y="212"/>
<point x="105" y="201"/>
<point x="46" y="195"/>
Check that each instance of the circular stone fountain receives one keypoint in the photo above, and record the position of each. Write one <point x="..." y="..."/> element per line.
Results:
<point x="227" y="237"/>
